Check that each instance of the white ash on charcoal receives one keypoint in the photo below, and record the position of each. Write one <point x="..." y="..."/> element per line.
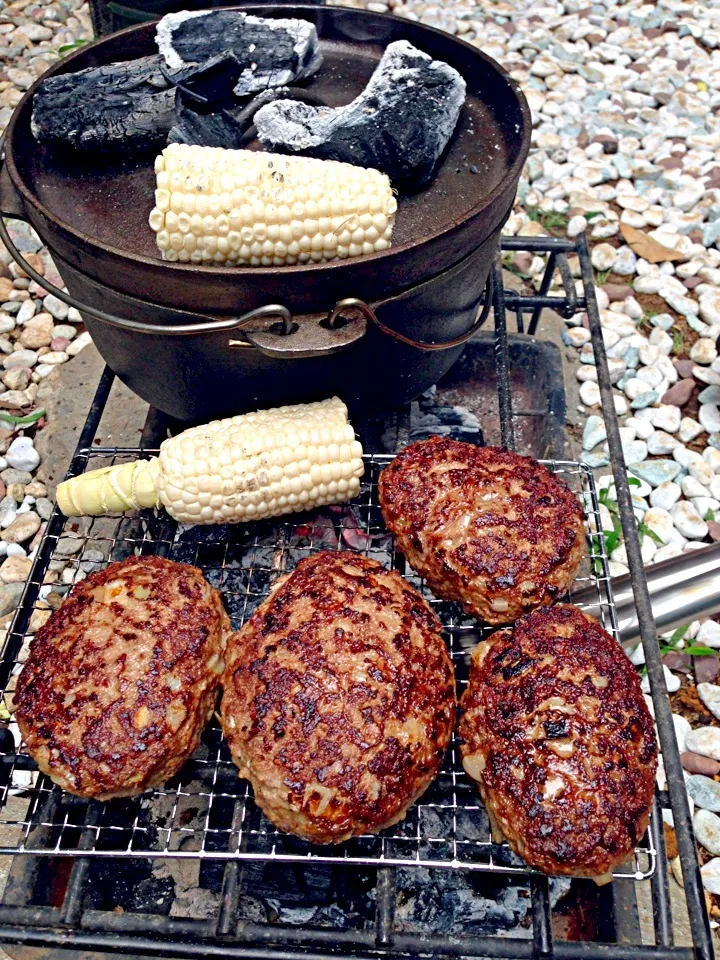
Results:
<point x="131" y="105"/>
<point x="400" y="124"/>
<point x="272" y="53"/>
<point x="429" y="417"/>
<point x="454" y="902"/>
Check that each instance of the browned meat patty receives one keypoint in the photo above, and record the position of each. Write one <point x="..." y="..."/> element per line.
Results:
<point x="122" y="679"/>
<point x="338" y="699"/>
<point x="494" y="530"/>
<point x="558" y="735"/>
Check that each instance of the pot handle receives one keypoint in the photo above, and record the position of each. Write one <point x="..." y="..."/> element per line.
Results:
<point x="427" y="345"/>
<point x="330" y="335"/>
<point x="10" y="203"/>
<point x="204" y="324"/>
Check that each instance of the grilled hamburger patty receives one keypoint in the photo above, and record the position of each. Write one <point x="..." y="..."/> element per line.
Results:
<point x="559" y="737"/>
<point x="494" y="530"/>
<point x="122" y="679"/>
<point x="338" y="699"/>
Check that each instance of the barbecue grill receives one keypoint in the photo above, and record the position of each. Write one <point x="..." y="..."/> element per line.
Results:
<point x="104" y="877"/>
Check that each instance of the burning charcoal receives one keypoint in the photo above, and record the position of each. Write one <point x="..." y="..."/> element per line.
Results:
<point x="129" y="104"/>
<point x="208" y="121"/>
<point x="218" y="129"/>
<point x="400" y="123"/>
<point x="272" y="52"/>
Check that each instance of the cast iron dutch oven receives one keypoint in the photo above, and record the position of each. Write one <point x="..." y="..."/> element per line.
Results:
<point x="200" y="342"/>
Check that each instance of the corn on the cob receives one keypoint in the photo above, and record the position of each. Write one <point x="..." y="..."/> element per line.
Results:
<point x="245" y="468"/>
<point x="263" y="209"/>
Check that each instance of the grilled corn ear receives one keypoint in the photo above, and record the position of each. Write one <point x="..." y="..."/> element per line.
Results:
<point x="218" y="206"/>
<point x="244" y="468"/>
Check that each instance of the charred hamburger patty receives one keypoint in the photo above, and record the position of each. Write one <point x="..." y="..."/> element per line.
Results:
<point x="559" y="737"/>
<point x="122" y="679"/>
<point x="494" y="530"/>
<point x="338" y="699"/>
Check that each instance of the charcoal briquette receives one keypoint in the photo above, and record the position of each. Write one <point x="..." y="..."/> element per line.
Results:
<point x="400" y="124"/>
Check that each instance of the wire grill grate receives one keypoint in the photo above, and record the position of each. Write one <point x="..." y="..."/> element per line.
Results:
<point x="206" y="811"/>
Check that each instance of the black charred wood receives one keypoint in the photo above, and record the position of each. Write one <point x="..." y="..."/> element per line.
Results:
<point x="272" y="53"/>
<point x="400" y="124"/>
<point x="130" y="105"/>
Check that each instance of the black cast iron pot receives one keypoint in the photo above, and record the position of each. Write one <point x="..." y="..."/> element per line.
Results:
<point x="200" y="342"/>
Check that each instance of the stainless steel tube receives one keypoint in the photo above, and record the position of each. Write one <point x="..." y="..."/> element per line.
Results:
<point x="681" y="589"/>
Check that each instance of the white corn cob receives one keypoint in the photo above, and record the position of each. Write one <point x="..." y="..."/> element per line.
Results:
<point x="263" y="209"/>
<point x="256" y="465"/>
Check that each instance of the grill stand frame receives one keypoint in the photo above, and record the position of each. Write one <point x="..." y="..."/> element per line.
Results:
<point x="70" y="927"/>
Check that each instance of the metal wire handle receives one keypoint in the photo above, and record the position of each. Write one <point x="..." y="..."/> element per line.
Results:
<point x="206" y="324"/>
<point x="370" y="315"/>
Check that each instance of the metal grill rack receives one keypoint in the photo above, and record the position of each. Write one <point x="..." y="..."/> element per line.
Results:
<point x="206" y="812"/>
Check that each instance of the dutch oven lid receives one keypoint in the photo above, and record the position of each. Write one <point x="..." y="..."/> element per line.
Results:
<point x="104" y="206"/>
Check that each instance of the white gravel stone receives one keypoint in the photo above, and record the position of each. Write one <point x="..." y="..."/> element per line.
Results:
<point x="661" y="339"/>
<point x="701" y="471"/>
<point x="660" y="522"/>
<point x="709" y="693"/>
<point x="693" y="488"/>
<point x="666" y="495"/>
<point x="671" y="681"/>
<point x="578" y="336"/>
<point x="603" y="256"/>
<point x="709" y="634"/>
<point x="712" y="457"/>
<point x="667" y="417"/>
<point x="649" y="353"/>
<point x="668" y="552"/>
<point x="635" y="451"/>
<point x="22" y="455"/>
<point x="710" y="873"/>
<point x="705" y="504"/>
<point x="79" y="344"/>
<point x="643" y="428"/>
<point x="589" y="391"/>
<point x="55" y="307"/>
<point x="20" y="358"/>
<point x="705" y="741"/>
<point x="635" y="387"/>
<point x="685" y="457"/>
<point x="660" y="443"/>
<point x="689" y="429"/>
<point x="709" y="417"/>
<point x="688" y="522"/>
<point x="703" y="351"/>
<point x="26" y="312"/>
<point x="576" y="226"/>
<point x="620" y="403"/>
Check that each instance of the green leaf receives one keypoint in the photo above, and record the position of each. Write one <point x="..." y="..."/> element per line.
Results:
<point x="613" y="537"/>
<point x="634" y="482"/>
<point x="674" y="639"/>
<point x="698" y="650"/>
<point x="593" y="213"/>
<point x="67" y="48"/>
<point x="601" y="277"/>
<point x="22" y="421"/>
<point x="646" y="531"/>
<point x="678" y="341"/>
<point x="710" y="516"/>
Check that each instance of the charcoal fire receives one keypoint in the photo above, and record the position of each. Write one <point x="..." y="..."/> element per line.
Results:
<point x="131" y="105"/>
<point x="273" y="52"/>
<point x="400" y="124"/>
